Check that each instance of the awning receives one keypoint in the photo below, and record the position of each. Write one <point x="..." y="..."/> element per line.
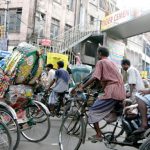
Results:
<point x="131" y="28"/>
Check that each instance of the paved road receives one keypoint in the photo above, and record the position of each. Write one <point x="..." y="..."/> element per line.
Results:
<point x="51" y="143"/>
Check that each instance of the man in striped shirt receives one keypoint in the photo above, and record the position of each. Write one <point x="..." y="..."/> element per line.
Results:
<point x="111" y="80"/>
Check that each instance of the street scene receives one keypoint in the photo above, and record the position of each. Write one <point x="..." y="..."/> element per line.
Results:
<point x="74" y="74"/>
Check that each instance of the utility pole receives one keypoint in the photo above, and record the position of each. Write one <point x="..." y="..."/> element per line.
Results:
<point x="6" y="22"/>
<point x="34" y="19"/>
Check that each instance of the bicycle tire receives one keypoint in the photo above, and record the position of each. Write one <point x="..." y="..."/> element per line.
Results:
<point x="16" y="141"/>
<point x="29" y="134"/>
<point x="145" y="145"/>
<point x="4" y="130"/>
<point x="71" y="132"/>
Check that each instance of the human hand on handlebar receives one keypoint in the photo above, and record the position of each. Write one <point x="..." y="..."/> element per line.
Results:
<point x="128" y="95"/>
<point x="144" y="92"/>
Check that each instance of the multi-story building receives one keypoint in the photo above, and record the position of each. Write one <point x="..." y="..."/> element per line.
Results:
<point x="31" y="19"/>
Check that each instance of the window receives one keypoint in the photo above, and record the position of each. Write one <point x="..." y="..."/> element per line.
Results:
<point x="70" y="4"/>
<point x="67" y="27"/>
<point x="91" y="20"/>
<point x="94" y="2"/>
<point x="58" y="1"/>
<point x="103" y="4"/>
<point x="39" y="23"/>
<point x="107" y="6"/>
<point x="2" y="17"/>
<point x="90" y="49"/>
<point x="14" y="19"/>
<point x="55" y="26"/>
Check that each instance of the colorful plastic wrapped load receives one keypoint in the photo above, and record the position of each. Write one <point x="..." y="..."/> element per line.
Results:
<point x="25" y="67"/>
<point x="38" y="71"/>
<point x="27" y="62"/>
<point x="12" y="63"/>
<point x="4" y="83"/>
<point x="79" y="72"/>
<point x="19" y="94"/>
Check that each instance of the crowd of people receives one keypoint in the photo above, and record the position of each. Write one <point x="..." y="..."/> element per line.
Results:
<point x="111" y="80"/>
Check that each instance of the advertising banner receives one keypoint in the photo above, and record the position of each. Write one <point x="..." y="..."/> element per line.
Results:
<point x="53" y="58"/>
<point x="116" y="49"/>
<point x="119" y="17"/>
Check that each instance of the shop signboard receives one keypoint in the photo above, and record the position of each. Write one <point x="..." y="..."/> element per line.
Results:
<point x="53" y="58"/>
<point x="45" y="42"/>
<point x="116" y="49"/>
<point x="119" y="17"/>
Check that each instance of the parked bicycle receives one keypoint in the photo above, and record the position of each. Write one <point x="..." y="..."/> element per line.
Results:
<point x="9" y="118"/>
<point x="5" y="137"/>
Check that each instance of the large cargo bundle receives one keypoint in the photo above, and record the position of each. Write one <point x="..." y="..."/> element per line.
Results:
<point x="26" y="62"/>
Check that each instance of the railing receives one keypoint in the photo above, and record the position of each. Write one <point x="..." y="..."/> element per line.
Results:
<point x="74" y="35"/>
<point x="64" y="42"/>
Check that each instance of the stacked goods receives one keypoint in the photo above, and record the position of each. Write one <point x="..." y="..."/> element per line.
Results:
<point x="25" y="66"/>
<point x="4" y="83"/>
<point x="27" y="63"/>
<point x="18" y="95"/>
<point x="38" y="73"/>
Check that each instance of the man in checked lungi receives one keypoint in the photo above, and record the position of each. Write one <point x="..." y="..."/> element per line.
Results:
<point x="109" y="77"/>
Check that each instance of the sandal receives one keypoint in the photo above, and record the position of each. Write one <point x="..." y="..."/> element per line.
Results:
<point x="91" y="137"/>
<point x="95" y="139"/>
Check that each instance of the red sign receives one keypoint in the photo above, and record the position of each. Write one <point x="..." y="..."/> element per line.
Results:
<point x="45" y="42"/>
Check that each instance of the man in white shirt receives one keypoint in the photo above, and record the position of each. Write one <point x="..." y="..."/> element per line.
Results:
<point x="50" y="76"/>
<point x="134" y="79"/>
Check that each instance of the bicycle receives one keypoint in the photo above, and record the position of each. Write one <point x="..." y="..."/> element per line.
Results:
<point x="145" y="145"/>
<point x="74" y="124"/>
<point x="5" y="137"/>
<point x="9" y="118"/>
<point x="62" y="101"/>
<point x="28" y="117"/>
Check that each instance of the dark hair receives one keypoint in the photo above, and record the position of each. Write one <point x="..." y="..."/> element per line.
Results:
<point x="50" y="66"/>
<point x="103" y="51"/>
<point x="60" y="64"/>
<point x="125" y="62"/>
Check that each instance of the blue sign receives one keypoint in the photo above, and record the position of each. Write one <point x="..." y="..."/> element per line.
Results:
<point x="4" y="53"/>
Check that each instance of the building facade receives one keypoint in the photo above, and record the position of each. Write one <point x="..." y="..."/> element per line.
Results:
<point x="29" y="20"/>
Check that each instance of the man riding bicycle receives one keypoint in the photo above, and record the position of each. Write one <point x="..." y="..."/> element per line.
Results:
<point x="111" y="80"/>
<point x="61" y="80"/>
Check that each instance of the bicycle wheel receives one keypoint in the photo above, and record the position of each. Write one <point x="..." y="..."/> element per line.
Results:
<point x="5" y="138"/>
<point x="71" y="132"/>
<point x="145" y="145"/>
<point x="37" y="126"/>
<point x="12" y="125"/>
